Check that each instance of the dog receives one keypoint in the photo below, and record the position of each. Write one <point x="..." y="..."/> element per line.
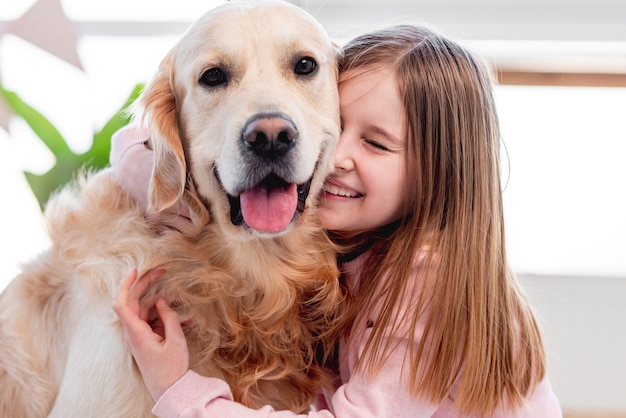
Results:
<point x="244" y="117"/>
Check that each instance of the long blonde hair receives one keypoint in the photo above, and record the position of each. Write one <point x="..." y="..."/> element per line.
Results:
<point x="478" y="329"/>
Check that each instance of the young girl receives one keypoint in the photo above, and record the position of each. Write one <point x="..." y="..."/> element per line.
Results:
<point x="435" y="324"/>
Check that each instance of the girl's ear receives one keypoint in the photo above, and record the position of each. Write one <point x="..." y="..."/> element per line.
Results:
<point x="158" y="107"/>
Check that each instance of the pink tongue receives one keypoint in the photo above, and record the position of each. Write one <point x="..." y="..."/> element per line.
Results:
<point x="269" y="210"/>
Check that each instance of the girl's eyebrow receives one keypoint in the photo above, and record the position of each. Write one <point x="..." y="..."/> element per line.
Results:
<point x="392" y="138"/>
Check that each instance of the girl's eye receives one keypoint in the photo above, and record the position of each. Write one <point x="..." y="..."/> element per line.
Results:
<point x="213" y="77"/>
<point x="376" y="145"/>
<point x="305" y="66"/>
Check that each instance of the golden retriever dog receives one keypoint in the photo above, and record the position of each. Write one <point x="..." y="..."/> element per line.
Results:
<point x="243" y="117"/>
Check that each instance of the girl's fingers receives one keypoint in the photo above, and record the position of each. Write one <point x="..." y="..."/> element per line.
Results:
<point x="132" y="289"/>
<point x="141" y="285"/>
<point x="139" y="289"/>
<point x="122" y="298"/>
<point x="138" y="331"/>
<point x="122" y="306"/>
<point x="171" y="320"/>
<point x="135" y="315"/>
<point x="129" y="292"/>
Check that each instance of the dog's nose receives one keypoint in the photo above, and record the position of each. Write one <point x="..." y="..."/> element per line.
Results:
<point x="270" y="136"/>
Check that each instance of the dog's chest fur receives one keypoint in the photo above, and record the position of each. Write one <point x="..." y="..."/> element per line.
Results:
<point x="255" y="311"/>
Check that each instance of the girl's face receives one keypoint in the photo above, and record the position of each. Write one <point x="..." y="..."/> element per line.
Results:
<point x="368" y="188"/>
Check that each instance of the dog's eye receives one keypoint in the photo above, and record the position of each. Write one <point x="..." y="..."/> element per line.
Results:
<point x="305" y="66"/>
<point x="213" y="77"/>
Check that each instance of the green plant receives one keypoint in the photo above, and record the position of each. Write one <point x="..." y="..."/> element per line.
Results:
<point x="68" y="163"/>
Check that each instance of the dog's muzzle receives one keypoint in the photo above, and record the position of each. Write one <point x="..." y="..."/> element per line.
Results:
<point x="267" y="198"/>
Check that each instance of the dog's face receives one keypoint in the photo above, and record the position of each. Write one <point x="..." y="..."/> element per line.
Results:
<point x="247" y="105"/>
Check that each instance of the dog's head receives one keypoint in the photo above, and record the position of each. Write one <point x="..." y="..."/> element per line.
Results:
<point x="246" y="107"/>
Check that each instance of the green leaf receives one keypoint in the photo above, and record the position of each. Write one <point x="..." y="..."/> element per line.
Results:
<point x="68" y="163"/>
<point x="42" y="127"/>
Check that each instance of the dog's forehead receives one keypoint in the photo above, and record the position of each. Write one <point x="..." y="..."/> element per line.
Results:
<point x="258" y="13"/>
<point x="247" y="24"/>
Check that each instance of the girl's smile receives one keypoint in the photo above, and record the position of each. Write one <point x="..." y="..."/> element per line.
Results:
<point x="368" y="187"/>
<point x="335" y="189"/>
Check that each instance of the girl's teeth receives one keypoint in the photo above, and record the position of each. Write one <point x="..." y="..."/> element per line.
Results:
<point x="337" y="191"/>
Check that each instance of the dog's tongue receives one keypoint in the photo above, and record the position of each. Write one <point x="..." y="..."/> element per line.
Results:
<point x="269" y="209"/>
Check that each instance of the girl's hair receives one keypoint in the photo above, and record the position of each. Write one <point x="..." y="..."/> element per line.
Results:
<point x="478" y="331"/>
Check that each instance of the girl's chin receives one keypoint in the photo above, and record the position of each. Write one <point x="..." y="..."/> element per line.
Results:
<point x="330" y="219"/>
<point x="336" y="212"/>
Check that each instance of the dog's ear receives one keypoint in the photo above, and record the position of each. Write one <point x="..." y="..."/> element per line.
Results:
<point x="338" y="53"/>
<point x="158" y="108"/>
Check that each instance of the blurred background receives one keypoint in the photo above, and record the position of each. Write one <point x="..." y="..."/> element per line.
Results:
<point x="561" y="66"/>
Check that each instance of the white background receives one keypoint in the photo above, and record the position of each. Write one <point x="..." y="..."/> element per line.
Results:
<point x="565" y="200"/>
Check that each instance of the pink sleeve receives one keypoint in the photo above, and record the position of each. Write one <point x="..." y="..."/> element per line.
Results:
<point x="384" y="396"/>
<point x="132" y="162"/>
<point x="124" y="139"/>
<point x="198" y="396"/>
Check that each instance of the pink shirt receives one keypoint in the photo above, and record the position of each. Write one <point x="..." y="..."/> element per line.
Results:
<point x="382" y="396"/>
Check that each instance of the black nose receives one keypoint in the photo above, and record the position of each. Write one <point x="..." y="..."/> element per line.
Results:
<point x="269" y="136"/>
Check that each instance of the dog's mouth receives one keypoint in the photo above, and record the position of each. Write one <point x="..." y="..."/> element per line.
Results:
<point x="270" y="206"/>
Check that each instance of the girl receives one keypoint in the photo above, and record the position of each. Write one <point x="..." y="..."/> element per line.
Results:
<point x="435" y="324"/>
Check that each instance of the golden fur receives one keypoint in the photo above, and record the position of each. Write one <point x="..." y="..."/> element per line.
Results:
<point x="256" y="303"/>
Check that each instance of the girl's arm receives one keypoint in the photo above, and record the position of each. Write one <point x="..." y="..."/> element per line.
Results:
<point x="380" y="397"/>
<point x="163" y="360"/>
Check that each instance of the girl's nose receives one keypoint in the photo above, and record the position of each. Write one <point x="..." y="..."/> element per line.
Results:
<point x="344" y="159"/>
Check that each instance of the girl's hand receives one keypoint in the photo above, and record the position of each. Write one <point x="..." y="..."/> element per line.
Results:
<point x="162" y="359"/>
